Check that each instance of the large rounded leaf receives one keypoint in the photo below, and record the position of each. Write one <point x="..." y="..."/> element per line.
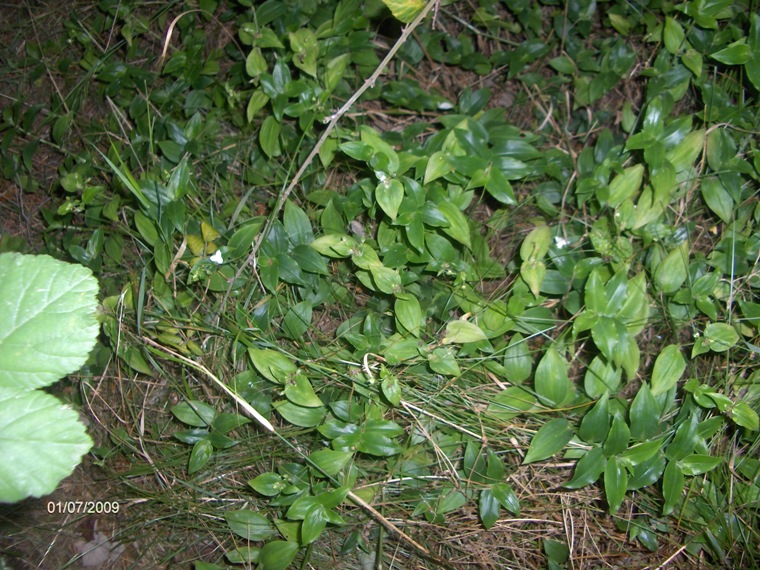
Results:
<point x="47" y="309"/>
<point x="41" y="442"/>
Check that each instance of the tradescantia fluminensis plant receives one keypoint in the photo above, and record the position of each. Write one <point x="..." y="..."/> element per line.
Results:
<point x="47" y="311"/>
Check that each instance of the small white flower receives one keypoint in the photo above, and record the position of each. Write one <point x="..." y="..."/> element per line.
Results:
<point x="445" y="106"/>
<point x="561" y="242"/>
<point x="217" y="257"/>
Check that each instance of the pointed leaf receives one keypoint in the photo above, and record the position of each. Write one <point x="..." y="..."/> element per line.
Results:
<point x="550" y="439"/>
<point x="461" y="332"/>
<point x="277" y="555"/>
<point x="615" y="483"/>
<point x="274" y="365"/>
<point x="488" y="508"/>
<point x="588" y="469"/>
<point x="506" y="497"/>
<point x="668" y="369"/>
<point x="552" y="384"/>
<point x="249" y="524"/>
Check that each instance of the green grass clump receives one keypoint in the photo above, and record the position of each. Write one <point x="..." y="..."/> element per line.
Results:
<point x="480" y="293"/>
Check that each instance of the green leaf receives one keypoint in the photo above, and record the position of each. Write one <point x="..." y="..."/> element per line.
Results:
<point x="194" y="413"/>
<point x="717" y="198"/>
<point x="752" y="67"/>
<point x="615" y="483"/>
<point x="47" y="311"/>
<point x="672" y="487"/>
<point x="443" y="361"/>
<point x="330" y="462"/>
<point x="737" y="53"/>
<point x="618" y="437"/>
<point x="698" y="464"/>
<point x="268" y="484"/>
<point x="200" y="455"/>
<point x="644" y="414"/>
<point x="745" y="416"/>
<point x="41" y="442"/>
<point x="533" y="272"/>
<point x="601" y="376"/>
<point x="297" y="224"/>
<point x="269" y="137"/>
<point x="721" y="336"/>
<point x="314" y="523"/>
<point x="405" y="10"/>
<point x="552" y="384"/>
<point x="391" y="388"/>
<point x="624" y="186"/>
<point x="641" y="452"/>
<point x="334" y="245"/>
<point x="588" y="469"/>
<point x="596" y="422"/>
<point x="672" y="270"/>
<point x="506" y="496"/>
<point x="668" y="369"/>
<point x="408" y="313"/>
<point x="458" y="227"/>
<point x="300" y="415"/>
<point x="594" y="293"/>
<point x="510" y="402"/>
<point x="298" y="319"/>
<point x="536" y="243"/>
<point x="551" y="438"/>
<point x="277" y="555"/>
<point x="298" y="390"/>
<point x="672" y="35"/>
<point x="387" y="280"/>
<point x="461" y="332"/>
<point x="249" y="524"/>
<point x="389" y="194"/>
<point x="437" y="166"/>
<point x="517" y="359"/>
<point x="488" y="508"/>
<point x="273" y="365"/>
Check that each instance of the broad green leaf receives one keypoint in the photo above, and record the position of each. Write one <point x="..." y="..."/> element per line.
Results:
<point x="625" y="185"/>
<point x="298" y="319"/>
<point x="297" y="224"/>
<point x="615" y="483"/>
<point x="596" y="423"/>
<point x="314" y="523"/>
<point x="737" y="53"/>
<point x="200" y="455"/>
<point x="510" y="402"/>
<point x="300" y="415"/>
<point x="685" y="439"/>
<point x="618" y="437"/>
<point x="194" y="413"/>
<point x="387" y="280"/>
<point x="672" y="487"/>
<point x="644" y="415"/>
<point x="698" y="464"/>
<point x="488" y="508"/>
<point x="672" y="35"/>
<point x="47" y="311"/>
<point x="745" y="416"/>
<point x="461" y="332"/>
<point x="721" y="336"/>
<point x="684" y="154"/>
<point x="391" y="388"/>
<point x="588" y="469"/>
<point x="458" y="227"/>
<point x="239" y="555"/>
<point x="601" y="376"/>
<point x="641" y="452"/>
<point x="41" y="442"/>
<point x="646" y="473"/>
<point x="277" y="555"/>
<point x="557" y="552"/>
<point x="298" y="390"/>
<point x="443" y="361"/>
<point x="437" y="166"/>
<point x="536" y="243"/>
<point x="668" y="369"/>
<point x="242" y="240"/>
<point x="717" y="198"/>
<point x="594" y="293"/>
<point x="506" y="497"/>
<point x="405" y="10"/>
<point x="533" y="272"/>
<point x="551" y="438"/>
<point x="752" y="67"/>
<point x="389" y="194"/>
<point x="517" y="360"/>
<point x="330" y="462"/>
<point x="408" y="313"/>
<point x="268" y="484"/>
<point x="249" y="524"/>
<point x="673" y="269"/>
<point x="552" y="384"/>
<point x="273" y="365"/>
<point x="334" y="245"/>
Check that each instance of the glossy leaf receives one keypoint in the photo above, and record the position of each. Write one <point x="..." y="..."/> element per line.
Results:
<point x="720" y="336"/>
<point x="745" y="416"/>
<point x="194" y="413"/>
<point x="672" y="270"/>
<point x="596" y="423"/>
<point x="618" y="437"/>
<point x="510" y="402"/>
<point x="697" y="464"/>
<point x="200" y="455"/>
<point x="461" y="332"/>
<point x="277" y="555"/>
<point x="672" y="487"/>
<point x="268" y="484"/>
<point x="488" y="508"/>
<point x="588" y="469"/>
<point x="644" y="415"/>
<point x="408" y="313"/>
<point x="506" y="496"/>
<point x="550" y="439"/>
<point x="552" y="384"/>
<point x="300" y="415"/>
<point x="298" y="389"/>
<point x="249" y="525"/>
<point x="405" y="10"/>
<point x="272" y="364"/>
<point x="389" y="194"/>
<point x="615" y="483"/>
<point x="536" y="243"/>
<point x="668" y="369"/>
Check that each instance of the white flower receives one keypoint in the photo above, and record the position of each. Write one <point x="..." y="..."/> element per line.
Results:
<point x="560" y="242"/>
<point x="217" y="257"/>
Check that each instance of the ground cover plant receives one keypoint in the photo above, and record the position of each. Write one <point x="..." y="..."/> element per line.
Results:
<point x="443" y="285"/>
